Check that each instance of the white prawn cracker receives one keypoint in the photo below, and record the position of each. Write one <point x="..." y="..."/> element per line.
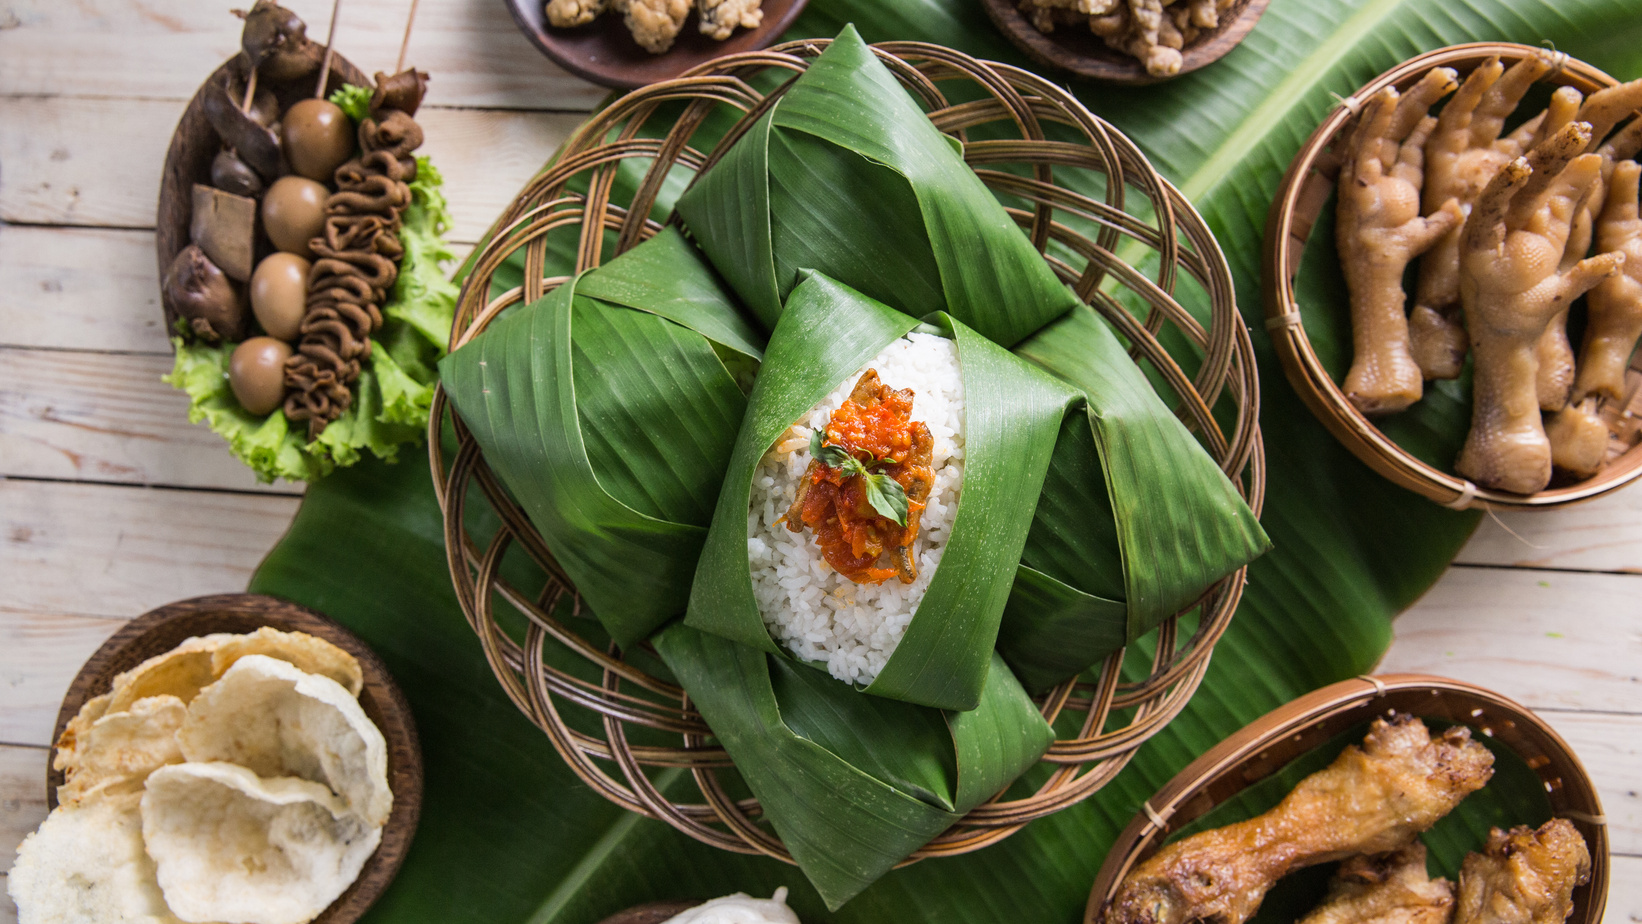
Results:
<point x="86" y="863"/>
<point x="272" y="718"/>
<point x="814" y="611"/>
<point x="230" y="846"/>
<point x="120" y="749"/>
<point x="739" y="908"/>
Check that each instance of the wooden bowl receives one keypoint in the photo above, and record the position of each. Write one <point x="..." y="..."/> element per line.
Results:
<point x="195" y="143"/>
<point x="1306" y="190"/>
<point x="649" y="913"/>
<point x="1076" y="49"/>
<point x="160" y="630"/>
<point x="604" y="52"/>
<point x="1266" y="745"/>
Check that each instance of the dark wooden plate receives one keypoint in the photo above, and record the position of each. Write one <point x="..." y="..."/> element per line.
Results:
<point x="604" y="52"/>
<point x="649" y="913"/>
<point x="161" y="630"/>
<point x="195" y="143"/>
<point x="1076" y="49"/>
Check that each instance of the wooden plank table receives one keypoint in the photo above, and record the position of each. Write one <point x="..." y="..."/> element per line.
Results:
<point x="111" y="503"/>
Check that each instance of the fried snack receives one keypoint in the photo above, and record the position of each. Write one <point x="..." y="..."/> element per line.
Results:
<point x="654" y="23"/>
<point x="567" y="13"/>
<point x="1372" y="799"/>
<point x="1390" y="888"/>
<point x="1461" y="156"/>
<point x="1379" y="230"/>
<point x="1515" y="276"/>
<point x="719" y="18"/>
<point x="1524" y="876"/>
<point x="1152" y="31"/>
<point x="122" y="748"/>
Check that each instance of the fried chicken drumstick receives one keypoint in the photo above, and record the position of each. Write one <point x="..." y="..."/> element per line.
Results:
<point x="1524" y="876"/>
<point x="1372" y="799"/>
<point x="1391" y="888"/>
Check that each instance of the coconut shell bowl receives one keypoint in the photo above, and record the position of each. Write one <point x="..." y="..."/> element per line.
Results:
<point x="1231" y="771"/>
<point x="162" y="629"/>
<point x="1298" y="244"/>
<point x="611" y="720"/>
<point x="1073" y="47"/>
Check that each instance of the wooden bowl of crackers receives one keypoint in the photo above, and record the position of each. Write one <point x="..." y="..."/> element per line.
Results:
<point x="194" y="669"/>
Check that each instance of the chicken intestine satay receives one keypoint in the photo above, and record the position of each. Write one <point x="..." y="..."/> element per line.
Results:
<point x="1371" y="799"/>
<point x="1462" y="155"/>
<point x="1378" y="230"/>
<point x="1515" y="276"/>
<point x="1390" y="888"/>
<point x="1524" y="876"/>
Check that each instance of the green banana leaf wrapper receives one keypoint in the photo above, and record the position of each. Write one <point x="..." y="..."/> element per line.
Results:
<point x="608" y="408"/>
<point x="1012" y="414"/>
<point x="852" y="783"/>
<point x="1136" y="520"/>
<point x="847" y="176"/>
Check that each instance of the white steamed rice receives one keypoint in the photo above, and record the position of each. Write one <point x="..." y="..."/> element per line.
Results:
<point x="819" y="614"/>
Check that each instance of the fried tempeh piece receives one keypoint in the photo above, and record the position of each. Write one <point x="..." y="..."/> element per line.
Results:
<point x="719" y="18"/>
<point x="1462" y="155"/>
<point x="567" y="13"/>
<point x="1524" y="876"/>
<point x="1379" y="230"/>
<point x="1372" y="799"/>
<point x="1516" y="276"/>
<point x="1390" y="888"/>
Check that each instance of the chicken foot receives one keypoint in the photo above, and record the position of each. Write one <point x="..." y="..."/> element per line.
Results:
<point x="1515" y="276"/>
<point x="1463" y="154"/>
<point x="1524" y="876"/>
<point x="1379" y="230"/>
<point x="1390" y="888"/>
<point x="1371" y="799"/>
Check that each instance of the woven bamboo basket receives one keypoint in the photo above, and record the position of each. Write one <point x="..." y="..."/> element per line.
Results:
<point x="1009" y="101"/>
<point x="1307" y="190"/>
<point x="1267" y="744"/>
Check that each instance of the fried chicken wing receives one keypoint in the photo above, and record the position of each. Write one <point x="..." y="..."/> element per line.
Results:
<point x="1390" y="888"/>
<point x="1524" y="876"/>
<point x="1372" y="799"/>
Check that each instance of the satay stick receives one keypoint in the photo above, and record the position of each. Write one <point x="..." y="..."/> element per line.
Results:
<point x="330" y="45"/>
<point x="410" y="20"/>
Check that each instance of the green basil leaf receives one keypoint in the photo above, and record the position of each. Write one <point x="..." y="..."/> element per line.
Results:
<point x="885" y="495"/>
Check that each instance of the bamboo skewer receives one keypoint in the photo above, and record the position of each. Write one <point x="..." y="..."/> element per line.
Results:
<point x="404" y="45"/>
<point x="330" y="49"/>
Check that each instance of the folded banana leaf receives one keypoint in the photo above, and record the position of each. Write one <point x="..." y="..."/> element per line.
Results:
<point x="1012" y="414"/>
<point x="846" y="176"/>
<point x="852" y="783"/>
<point x="1120" y="540"/>
<point x="608" y="408"/>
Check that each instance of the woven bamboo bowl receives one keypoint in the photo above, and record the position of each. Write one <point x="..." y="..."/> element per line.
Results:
<point x="160" y="630"/>
<point x="1307" y="189"/>
<point x="590" y="721"/>
<point x="1267" y="744"/>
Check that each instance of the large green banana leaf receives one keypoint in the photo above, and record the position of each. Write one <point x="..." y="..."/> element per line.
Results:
<point x="507" y="833"/>
<point x="846" y="177"/>
<point x="606" y="409"/>
<point x="1012" y="414"/>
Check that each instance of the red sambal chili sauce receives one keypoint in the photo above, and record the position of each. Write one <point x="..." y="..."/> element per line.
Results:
<point x="875" y="426"/>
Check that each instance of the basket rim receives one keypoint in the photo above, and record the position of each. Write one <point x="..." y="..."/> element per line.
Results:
<point x="1304" y="369"/>
<point x="1082" y="764"/>
<point x="1309" y="720"/>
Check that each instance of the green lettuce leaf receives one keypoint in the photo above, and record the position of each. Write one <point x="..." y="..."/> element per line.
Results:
<point x="353" y="100"/>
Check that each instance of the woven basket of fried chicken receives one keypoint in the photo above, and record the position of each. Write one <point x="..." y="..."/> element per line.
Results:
<point x="1453" y="276"/>
<point x="1402" y="798"/>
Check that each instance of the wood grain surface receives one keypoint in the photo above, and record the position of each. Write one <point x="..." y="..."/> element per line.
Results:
<point x="111" y="504"/>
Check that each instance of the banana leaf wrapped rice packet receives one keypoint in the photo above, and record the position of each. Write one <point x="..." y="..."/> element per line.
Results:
<point x="847" y="177"/>
<point x="608" y="408"/>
